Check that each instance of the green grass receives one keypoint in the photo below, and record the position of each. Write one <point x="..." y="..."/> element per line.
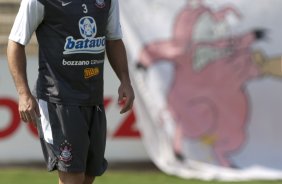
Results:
<point x="26" y="176"/>
<point x="39" y="176"/>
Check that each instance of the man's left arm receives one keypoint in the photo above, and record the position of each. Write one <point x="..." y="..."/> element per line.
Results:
<point x="117" y="57"/>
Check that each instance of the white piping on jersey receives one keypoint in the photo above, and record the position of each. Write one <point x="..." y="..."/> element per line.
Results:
<point x="45" y="121"/>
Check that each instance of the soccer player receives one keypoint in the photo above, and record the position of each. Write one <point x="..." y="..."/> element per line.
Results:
<point x="73" y="37"/>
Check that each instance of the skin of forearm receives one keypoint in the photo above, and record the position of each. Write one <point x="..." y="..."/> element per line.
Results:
<point x="17" y="65"/>
<point x="117" y="57"/>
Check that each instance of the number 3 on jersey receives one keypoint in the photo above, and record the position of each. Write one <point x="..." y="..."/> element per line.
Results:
<point x="85" y="10"/>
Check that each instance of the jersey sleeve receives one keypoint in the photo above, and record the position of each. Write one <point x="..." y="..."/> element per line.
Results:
<point x="29" y="16"/>
<point x="114" y="31"/>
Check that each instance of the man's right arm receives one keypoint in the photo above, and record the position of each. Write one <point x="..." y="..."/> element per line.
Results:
<point x="28" y="107"/>
<point x="30" y="15"/>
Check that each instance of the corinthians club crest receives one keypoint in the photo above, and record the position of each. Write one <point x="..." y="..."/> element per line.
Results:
<point x="66" y="155"/>
<point x="100" y="3"/>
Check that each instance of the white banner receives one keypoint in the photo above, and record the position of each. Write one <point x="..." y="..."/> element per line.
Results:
<point x="208" y="82"/>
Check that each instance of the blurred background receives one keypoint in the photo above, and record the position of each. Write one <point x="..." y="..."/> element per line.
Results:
<point x="207" y="78"/>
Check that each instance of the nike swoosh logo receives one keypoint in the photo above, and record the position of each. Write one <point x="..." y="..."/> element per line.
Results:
<point x="67" y="3"/>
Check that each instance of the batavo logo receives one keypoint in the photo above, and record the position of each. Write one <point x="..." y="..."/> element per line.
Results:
<point x="91" y="72"/>
<point x="89" y="43"/>
<point x="125" y="129"/>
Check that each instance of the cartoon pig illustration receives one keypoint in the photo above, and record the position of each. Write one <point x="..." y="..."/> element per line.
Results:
<point x="207" y="98"/>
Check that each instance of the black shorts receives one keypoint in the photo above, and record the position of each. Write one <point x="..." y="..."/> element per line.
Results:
<point x="73" y="138"/>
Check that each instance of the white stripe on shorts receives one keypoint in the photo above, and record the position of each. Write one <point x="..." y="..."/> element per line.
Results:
<point x="45" y="121"/>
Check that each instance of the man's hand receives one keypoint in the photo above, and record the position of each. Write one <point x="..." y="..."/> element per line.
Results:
<point x="126" y="97"/>
<point x="28" y="108"/>
<point x="117" y="57"/>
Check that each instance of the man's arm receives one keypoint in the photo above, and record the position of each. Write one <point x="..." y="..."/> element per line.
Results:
<point x="117" y="57"/>
<point x="28" y="107"/>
